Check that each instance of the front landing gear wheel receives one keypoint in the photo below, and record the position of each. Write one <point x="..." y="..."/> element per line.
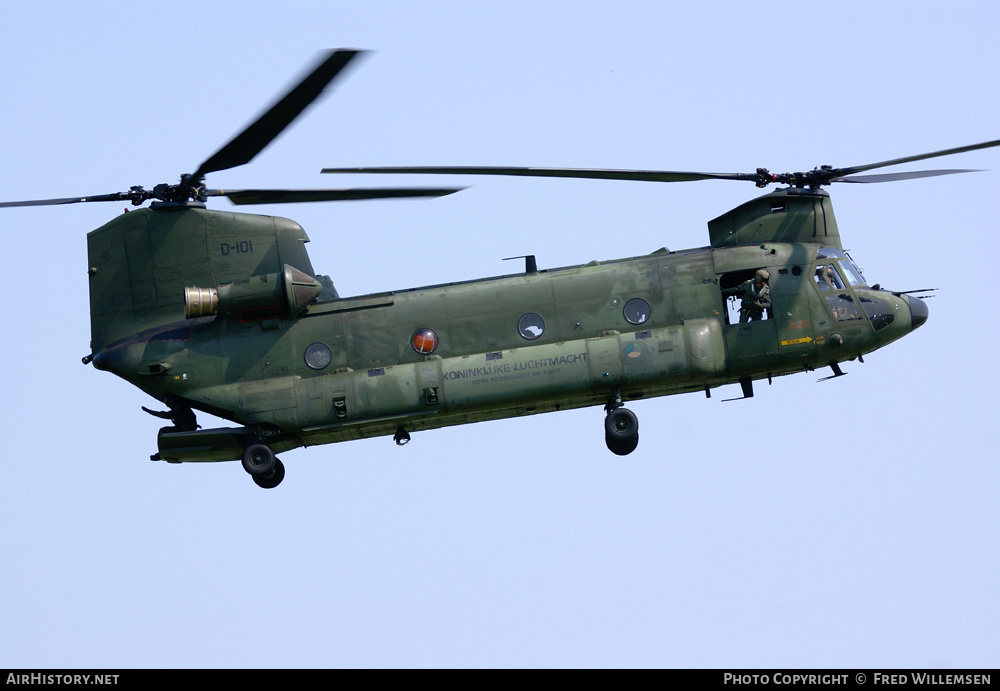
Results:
<point x="258" y="459"/>
<point x="621" y="431"/>
<point x="621" y="423"/>
<point x="273" y="479"/>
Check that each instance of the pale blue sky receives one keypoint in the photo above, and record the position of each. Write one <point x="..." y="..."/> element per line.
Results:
<point x="845" y="524"/>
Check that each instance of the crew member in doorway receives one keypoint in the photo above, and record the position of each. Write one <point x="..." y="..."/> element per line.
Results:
<point x="755" y="295"/>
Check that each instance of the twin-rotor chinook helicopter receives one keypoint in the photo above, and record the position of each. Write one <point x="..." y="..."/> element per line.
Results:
<point x="223" y="313"/>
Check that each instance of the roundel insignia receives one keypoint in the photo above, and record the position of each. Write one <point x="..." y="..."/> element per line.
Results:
<point x="633" y="350"/>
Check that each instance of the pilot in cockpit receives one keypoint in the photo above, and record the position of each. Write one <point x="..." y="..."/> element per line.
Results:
<point x="827" y="278"/>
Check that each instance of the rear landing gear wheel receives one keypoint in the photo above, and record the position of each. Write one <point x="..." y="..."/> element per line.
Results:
<point x="258" y="459"/>
<point x="273" y="479"/>
<point x="621" y="448"/>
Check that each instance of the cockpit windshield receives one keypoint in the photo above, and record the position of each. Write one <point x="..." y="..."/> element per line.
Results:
<point x="833" y="268"/>
<point x="850" y="270"/>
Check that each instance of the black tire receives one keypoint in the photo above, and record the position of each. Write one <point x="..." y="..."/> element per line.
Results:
<point x="258" y="459"/>
<point x="620" y="447"/>
<point x="274" y="479"/>
<point x="621" y="424"/>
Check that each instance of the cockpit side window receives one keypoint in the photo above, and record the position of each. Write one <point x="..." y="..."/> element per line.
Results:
<point x="827" y="278"/>
<point x="844" y="308"/>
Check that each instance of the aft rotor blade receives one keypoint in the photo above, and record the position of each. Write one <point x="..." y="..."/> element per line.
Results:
<point x="593" y="173"/>
<point x="293" y="196"/>
<point x="116" y="197"/>
<point x="918" y="157"/>
<point x="251" y="141"/>
<point x="893" y="177"/>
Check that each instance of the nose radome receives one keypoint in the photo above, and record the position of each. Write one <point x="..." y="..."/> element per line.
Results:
<point x="918" y="311"/>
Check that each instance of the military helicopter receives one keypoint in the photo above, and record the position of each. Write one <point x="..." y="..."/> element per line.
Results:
<point x="222" y="313"/>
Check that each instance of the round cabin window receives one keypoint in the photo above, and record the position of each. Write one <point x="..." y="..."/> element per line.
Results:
<point x="318" y="355"/>
<point x="531" y="326"/>
<point x="636" y="311"/>
<point x="424" y="341"/>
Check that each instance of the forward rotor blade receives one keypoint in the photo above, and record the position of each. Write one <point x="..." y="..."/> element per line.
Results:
<point x="251" y="141"/>
<point x="893" y="177"/>
<point x="116" y="197"/>
<point x="593" y="173"/>
<point x="292" y="196"/>
<point x="918" y="157"/>
<point x="762" y="178"/>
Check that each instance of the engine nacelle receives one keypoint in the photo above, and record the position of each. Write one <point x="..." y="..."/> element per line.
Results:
<point x="265" y="296"/>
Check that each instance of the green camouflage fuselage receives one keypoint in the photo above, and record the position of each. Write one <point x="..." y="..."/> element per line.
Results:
<point x="297" y="371"/>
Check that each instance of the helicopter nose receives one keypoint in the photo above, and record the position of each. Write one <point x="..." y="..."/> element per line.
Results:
<point x="112" y="359"/>
<point x="918" y="312"/>
<point x="106" y="359"/>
